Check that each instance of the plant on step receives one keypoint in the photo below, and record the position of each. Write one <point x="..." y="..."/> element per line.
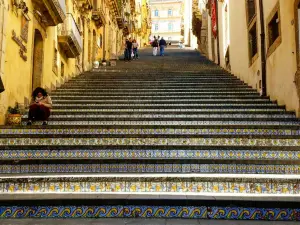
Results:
<point x="14" y="116"/>
<point x="14" y="110"/>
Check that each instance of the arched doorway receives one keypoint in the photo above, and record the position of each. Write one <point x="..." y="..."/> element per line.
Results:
<point x="95" y="48"/>
<point x="38" y="58"/>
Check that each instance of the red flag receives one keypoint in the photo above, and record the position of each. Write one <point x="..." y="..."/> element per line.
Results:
<point x="214" y="18"/>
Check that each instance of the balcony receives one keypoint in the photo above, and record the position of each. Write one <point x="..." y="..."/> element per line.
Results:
<point x="114" y="6"/>
<point x="52" y="11"/>
<point x="84" y="6"/>
<point x="98" y="14"/>
<point x="69" y="37"/>
<point x="120" y="22"/>
<point x="132" y="6"/>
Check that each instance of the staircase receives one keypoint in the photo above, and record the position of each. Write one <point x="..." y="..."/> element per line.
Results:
<point x="154" y="131"/>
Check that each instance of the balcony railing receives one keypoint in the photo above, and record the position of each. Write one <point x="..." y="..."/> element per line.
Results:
<point x="53" y="11"/>
<point x="98" y="14"/>
<point x="69" y="37"/>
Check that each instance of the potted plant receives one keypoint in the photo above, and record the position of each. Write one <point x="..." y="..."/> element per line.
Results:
<point x="14" y="116"/>
<point x="96" y="64"/>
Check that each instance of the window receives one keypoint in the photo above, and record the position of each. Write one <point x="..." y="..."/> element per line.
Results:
<point x="170" y="26"/>
<point x="156" y="26"/>
<point x="55" y="64"/>
<point x="100" y="41"/>
<point x="156" y="12"/>
<point x="253" y="42"/>
<point x="274" y="30"/>
<point x="170" y="12"/>
<point x="62" y="69"/>
<point x="252" y="30"/>
<point x="251" y="10"/>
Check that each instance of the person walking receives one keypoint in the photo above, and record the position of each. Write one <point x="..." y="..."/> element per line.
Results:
<point x="135" y="47"/>
<point x="155" y="47"/>
<point x="162" y="45"/>
<point x="40" y="106"/>
<point x="128" y="49"/>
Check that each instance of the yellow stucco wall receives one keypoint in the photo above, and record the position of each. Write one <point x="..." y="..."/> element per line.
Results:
<point x="281" y="65"/>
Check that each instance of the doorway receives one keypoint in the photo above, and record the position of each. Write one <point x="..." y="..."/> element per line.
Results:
<point x="38" y="58"/>
<point x="95" y="48"/>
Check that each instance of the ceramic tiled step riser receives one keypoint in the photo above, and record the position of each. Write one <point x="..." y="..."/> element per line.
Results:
<point x="170" y="123"/>
<point x="150" y="131"/>
<point x="159" y="141"/>
<point x="186" y="111"/>
<point x="238" y="154"/>
<point x="167" y="97"/>
<point x="149" y="168"/>
<point x="156" y="185"/>
<point x="173" y="116"/>
<point x="168" y="106"/>
<point x="151" y="83"/>
<point x="195" y="85"/>
<point x="163" y="101"/>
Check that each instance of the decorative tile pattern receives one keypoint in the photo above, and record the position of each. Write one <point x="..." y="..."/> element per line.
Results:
<point x="157" y="185"/>
<point x="151" y="154"/>
<point x="173" y="123"/>
<point x="157" y="131"/>
<point x="131" y="211"/>
<point x="150" y="168"/>
<point x="178" y="116"/>
<point x="151" y="141"/>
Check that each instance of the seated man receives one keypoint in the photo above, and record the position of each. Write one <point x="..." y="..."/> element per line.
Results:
<point x="40" y="106"/>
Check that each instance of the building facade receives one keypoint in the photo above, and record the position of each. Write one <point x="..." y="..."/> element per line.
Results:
<point x="256" y="40"/>
<point x="51" y="41"/>
<point x="167" y="19"/>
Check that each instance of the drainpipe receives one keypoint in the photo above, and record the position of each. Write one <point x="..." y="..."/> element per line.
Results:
<point x="2" y="38"/>
<point x="218" y="38"/>
<point x="263" y="51"/>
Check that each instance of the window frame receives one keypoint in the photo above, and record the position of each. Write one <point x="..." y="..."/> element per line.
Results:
<point x="170" y="26"/>
<point x="156" y="27"/>
<point x="156" y="13"/>
<point x="170" y="14"/>
<point x="272" y="47"/>
<point x="250" y="25"/>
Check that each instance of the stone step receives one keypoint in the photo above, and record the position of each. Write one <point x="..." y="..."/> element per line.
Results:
<point x="150" y="87"/>
<point x="175" y="110"/>
<point x="163" y="101"/>
<point x="186" y="153"/>
<point x="167" y="123"/>
<point x="167" y="97"/>
<point x="169" y="105"/>
<point x="170" y="112"/>
<point x="152" y="93"/>
<point x="151" y="186"/>
<point x="178" y="116"/>
<point x="164" y="89"/>
<point x="153" y="141"/>
<point x="155" y="81"/>
<point x="114" y="130"/>
<point x="60" y="167"/>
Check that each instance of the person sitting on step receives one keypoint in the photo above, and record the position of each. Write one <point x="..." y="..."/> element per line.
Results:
<point x="40" y="106"/>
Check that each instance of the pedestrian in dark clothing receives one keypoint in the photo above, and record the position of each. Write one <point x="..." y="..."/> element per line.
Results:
<point x="162" y="45"/>
<point x="155" y="46"/>
<point x="129" y="49"/>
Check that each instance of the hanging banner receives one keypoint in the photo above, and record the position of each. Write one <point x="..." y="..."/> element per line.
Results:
<point x="214" y="18"/>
